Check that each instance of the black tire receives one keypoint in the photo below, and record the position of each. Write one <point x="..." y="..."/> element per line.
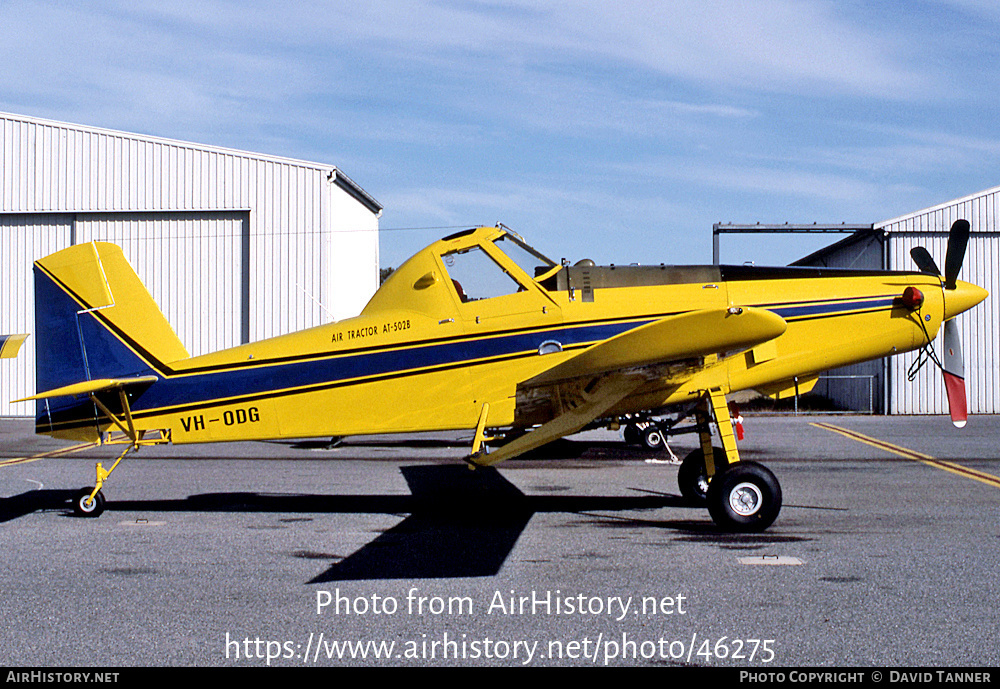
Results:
<point x="744" y="497"/>
<point x="691" y="477"/>
<point x="652" y="438"/>
<point x="84" y="507"/>
<point x="631" y="434"/>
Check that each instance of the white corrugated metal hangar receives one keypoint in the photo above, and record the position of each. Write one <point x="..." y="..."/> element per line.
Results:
<point x="233" y="246"/>
<point x="885" y="386"/>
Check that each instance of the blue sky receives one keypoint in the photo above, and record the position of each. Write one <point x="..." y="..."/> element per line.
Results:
<point x="619" y="131"/>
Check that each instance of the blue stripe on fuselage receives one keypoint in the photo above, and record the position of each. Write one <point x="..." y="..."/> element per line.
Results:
<point x="830" y="308"/>
<point x="265" y="379"/>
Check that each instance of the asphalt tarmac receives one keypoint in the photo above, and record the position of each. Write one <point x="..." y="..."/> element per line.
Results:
<point x="390" y="552"/>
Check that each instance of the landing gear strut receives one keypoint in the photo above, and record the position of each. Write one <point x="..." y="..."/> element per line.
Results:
<point x="740" y="496"/>
<point x="89" y="502"/>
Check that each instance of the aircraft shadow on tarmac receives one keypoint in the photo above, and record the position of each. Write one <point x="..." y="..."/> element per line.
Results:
<point x="461" y="523"/>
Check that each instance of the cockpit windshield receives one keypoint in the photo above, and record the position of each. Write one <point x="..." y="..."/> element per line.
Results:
<point x="529" y="260"/>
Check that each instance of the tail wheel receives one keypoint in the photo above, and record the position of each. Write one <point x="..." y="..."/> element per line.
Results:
<point x="692" y="478"/>
<point x="83" y="506"/>
<point x="744" y="497"/>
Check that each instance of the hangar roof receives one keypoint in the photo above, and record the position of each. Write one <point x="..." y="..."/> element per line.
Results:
<point x="940" y="206"/>
<point x="334" y="174"/>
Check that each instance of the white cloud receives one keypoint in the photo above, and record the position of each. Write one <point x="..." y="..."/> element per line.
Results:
<point x="578" y="64"/>
<point x="781" y="46"/>
<point x="561" y="113"/>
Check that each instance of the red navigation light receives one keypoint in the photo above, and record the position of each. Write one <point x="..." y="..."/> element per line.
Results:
<point x="913" y="298"/>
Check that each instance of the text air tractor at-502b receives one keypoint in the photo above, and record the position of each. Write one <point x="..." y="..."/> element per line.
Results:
<point x="480" y="331"/>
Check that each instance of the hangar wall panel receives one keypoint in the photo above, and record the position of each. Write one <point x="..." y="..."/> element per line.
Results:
<point x="353" y="233"/>
<point x="289" y="275"/>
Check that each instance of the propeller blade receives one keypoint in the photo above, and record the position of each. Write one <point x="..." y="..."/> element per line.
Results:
<point x="922" y="257"/>
<point x="958" y="239"/>
<point x="954" y="374"/>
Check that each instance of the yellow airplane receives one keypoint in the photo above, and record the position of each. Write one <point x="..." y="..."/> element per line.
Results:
<point x="480" y="331"/>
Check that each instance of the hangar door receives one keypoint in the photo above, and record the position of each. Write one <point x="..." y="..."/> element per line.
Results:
<point x="193" y="263"/>
<point x="24" y="238"/>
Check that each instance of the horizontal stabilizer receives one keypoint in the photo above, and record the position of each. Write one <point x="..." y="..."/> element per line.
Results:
<point x="89" y="386"/>
<point x="674" y="338"/>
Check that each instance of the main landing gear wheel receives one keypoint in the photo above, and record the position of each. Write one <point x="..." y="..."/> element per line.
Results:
<point x="744" y="497"/>
<point x="691" y="477"/>
<point x="83" y="506"/>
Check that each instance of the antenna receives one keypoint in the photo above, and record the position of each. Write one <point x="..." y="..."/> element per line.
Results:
<point x="318" y="302"/>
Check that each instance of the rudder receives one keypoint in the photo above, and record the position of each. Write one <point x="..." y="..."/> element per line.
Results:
<point x="95" y="319"/>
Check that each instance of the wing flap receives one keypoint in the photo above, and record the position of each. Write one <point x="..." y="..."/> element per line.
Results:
<point x="593" y="402"/>
<point x="674" y="338"/>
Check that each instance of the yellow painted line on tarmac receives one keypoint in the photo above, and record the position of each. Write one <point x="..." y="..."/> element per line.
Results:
<point x="954" y="468"/>
<point x="47" y="455"/>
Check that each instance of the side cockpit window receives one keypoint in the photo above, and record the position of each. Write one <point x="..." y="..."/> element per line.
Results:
<point x="477" y="276"/>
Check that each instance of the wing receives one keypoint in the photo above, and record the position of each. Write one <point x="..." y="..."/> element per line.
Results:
<point x="584" y="387"/>
<point x="674" y="338"/>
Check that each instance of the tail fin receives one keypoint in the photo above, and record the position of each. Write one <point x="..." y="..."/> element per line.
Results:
<point x="94" y="319"/>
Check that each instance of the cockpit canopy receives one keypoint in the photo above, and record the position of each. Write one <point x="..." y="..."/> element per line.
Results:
<point x="476" y="273"/>
<point x="482" y="263"/>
